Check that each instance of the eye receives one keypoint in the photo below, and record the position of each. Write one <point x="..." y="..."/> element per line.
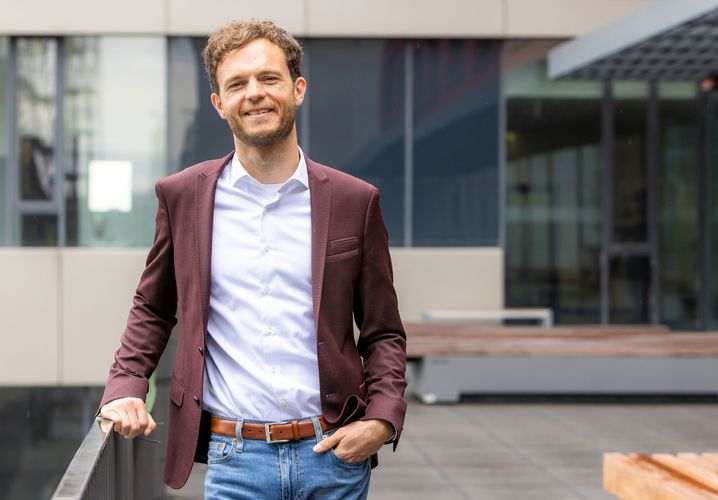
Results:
<point x="270" y="79"/>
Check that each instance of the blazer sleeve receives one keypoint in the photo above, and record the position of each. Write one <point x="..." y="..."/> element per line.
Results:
<point x="151" y="318"/>
<point x="382" y="340"/>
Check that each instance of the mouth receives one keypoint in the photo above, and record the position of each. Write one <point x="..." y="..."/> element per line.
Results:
<point x="258" y="112"/>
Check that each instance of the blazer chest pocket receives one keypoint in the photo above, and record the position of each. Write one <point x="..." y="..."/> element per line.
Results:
<point x="342" y="248"/>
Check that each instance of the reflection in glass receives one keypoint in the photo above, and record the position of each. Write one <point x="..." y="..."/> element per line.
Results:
<point x="36" y="112"/>
<point x="630" y="203"/>
<point x="115" y="114"/>
<point x="456" y="140"/>
<point x="4" y="45"/>
<point x="553" y="188"/>
<point x="38" y="230"/>
<point x="356" y="116"/>
<point x="678" y="217"/>
<point x="630" y="281"/>
<point x="195" y="131"/>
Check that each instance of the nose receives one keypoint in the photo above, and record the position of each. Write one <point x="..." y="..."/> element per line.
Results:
<point x="254" y="89"/>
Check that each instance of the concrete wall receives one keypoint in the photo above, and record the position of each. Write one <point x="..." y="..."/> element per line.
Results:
<point x="63" y="310"/>
<point x="318" y="18"/>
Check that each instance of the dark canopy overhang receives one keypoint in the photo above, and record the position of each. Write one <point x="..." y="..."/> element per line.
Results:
<point x="664" y="40"/>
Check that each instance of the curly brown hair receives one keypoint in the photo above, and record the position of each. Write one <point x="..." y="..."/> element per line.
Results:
<point x="235" y="35"/>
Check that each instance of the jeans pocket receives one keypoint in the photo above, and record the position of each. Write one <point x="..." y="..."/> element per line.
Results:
<point x="345" y="463"/>
<point x="220" y="450"/>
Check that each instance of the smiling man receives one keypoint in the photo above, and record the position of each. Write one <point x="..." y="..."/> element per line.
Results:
<point x="269" y="257"/>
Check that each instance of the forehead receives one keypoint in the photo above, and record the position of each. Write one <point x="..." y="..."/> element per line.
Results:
<point x="257" y="55"/>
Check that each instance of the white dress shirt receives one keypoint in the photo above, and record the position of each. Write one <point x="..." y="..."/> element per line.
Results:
<point x="261" y="355"/>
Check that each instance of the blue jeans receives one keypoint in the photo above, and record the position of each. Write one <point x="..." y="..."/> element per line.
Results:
<point x="251" y="469"/>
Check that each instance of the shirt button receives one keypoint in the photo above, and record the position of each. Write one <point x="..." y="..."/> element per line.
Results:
<point x="284" y="402"/>
<point x="268" y="331"/>
<point x="266" y="249"/>
<point x="272" y="370"/>
<point x="266" y="290"/>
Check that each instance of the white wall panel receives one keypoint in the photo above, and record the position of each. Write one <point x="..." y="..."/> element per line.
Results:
<point x="406" y="18"/>
<point x="29" y="316"/>
<point x="97" y="290"/>
<point x="342" y="18"/>
<point x="190" y="17"/>
<point x="563" y="18"/>
<point x="81" y="16"/>
<point x="63" y="311"/>
<point x="447" y="278"/>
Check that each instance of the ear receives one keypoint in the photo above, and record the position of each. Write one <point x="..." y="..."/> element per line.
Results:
<point x="300" y="89"/>
<point x="217" y="103"/>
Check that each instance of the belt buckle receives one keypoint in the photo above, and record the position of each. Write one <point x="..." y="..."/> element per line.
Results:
<point x="268" y="436"/>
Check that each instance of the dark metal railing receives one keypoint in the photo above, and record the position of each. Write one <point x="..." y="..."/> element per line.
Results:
<point x="109" y="467"/>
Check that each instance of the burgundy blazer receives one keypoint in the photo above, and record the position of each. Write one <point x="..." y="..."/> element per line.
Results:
<point x="351" y="277"/>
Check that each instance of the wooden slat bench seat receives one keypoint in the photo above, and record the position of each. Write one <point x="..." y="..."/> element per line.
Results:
<point x="450" y="359"/>
<point x="684" y="476"/>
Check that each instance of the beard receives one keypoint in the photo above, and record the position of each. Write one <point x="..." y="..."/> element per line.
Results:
<point x="266" y="138"/>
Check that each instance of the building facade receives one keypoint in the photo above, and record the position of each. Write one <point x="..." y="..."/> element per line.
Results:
<point x="496" y="186"/>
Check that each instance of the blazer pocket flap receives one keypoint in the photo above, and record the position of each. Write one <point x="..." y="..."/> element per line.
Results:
<point x="176" y="392"/>
<point x="342" y="245"/>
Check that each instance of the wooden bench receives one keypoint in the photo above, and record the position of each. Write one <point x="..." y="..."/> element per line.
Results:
<point x="448" y="360"/>
<point x="685" y="476"/>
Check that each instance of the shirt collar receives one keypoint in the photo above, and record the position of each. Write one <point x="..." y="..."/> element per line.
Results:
<point x="238" y="172"/>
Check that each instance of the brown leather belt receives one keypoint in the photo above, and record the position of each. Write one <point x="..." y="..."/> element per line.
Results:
<point x="278" y="432"/>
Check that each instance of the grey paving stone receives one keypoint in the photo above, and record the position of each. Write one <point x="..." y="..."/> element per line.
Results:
<point x="509" y="451"/>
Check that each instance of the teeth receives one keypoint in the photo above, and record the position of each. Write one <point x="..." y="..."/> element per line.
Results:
<point x="258" y="112"/>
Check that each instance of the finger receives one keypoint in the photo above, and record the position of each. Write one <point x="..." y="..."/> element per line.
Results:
<point x="134" y="423"/>
<point x="142" y="416"/>
<point x="328" y="443"/>
<point x="124" y="422"/>
<point x="151" y="425"/>
<point x="114" y="416"/>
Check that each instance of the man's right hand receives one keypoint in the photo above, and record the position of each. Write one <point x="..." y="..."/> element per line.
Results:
<point x="129" y="416"/>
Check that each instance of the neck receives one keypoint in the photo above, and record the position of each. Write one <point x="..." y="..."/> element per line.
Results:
<point x="270" y="163"/>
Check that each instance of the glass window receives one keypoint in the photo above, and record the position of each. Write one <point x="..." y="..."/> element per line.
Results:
<point x="356" y="116"/>
<point x="36" y="117"/>
<point x="678" y="216"/>
<point x="456" y="142"/>
<point x="630" y="281"/>
<point x="33" y="205"/>
<point x="630" y="200"/>
<point x="4" y="212"/>
<point x="195" y="131"/>
<point x="115" y="135"/>
<point x="712" y="209"/>
<point x="553" y="187"/>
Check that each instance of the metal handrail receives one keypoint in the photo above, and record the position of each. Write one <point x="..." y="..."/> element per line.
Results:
<point x="101" y="467"/>
<point x="107" y="466"/>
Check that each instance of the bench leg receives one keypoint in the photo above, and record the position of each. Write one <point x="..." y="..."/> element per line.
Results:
<point x="432" y="381"/>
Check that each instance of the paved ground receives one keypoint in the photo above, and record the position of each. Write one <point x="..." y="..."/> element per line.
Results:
<point x="522" y="451"/>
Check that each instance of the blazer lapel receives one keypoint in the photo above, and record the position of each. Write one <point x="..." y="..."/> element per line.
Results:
<point x="320" y="192"/>
<point x="204" y="216"/>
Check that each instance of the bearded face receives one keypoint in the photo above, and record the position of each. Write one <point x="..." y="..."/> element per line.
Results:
<point x="257" y="96"/>
<point x="253" y="127"/>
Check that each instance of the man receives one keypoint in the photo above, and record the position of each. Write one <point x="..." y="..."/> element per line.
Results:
<point x="269" y="257"/>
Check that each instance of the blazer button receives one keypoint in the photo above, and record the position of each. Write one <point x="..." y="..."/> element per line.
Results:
<point x="196" y="399"/>
<point x="200" y="349"/>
